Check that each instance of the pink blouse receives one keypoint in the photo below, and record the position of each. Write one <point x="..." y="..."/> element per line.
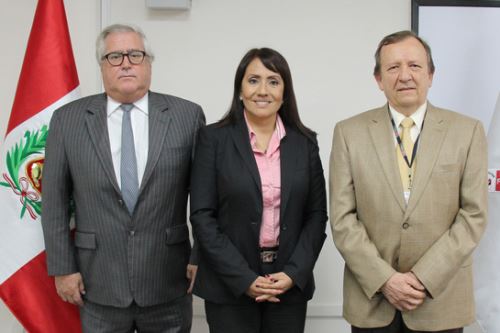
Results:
<point x="268" y="163"/>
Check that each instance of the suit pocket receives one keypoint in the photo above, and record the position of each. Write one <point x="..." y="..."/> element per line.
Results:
<point x="177" y="234"/>
<point x="180" y="148"/>
<point x="85" y="240"/>
<point x="86" y="244"/>
<point x="173" y="161"/>
<point x="442" y="168"/>
<point x="177" y="152"/>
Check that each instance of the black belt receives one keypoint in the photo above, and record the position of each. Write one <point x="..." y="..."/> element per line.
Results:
<point x="268" y="254"/>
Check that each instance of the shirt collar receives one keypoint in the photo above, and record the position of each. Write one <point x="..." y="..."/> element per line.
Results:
<point x="141" y="105"/>
<point x="417" y="116"/>
<point x="279" y="130"/>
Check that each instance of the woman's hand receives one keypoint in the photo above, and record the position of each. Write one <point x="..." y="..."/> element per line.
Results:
<point x="191" y="276"/>
<point x="269" y="287"/>
<point x="281" y="281"/>
<point x="263" y="289"/>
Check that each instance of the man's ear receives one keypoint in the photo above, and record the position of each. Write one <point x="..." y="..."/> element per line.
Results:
<point x="378" y="78"/>
<point x="431" y="76"/>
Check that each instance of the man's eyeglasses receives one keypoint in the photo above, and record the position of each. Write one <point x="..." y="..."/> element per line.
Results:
<point x="135" y="57"/>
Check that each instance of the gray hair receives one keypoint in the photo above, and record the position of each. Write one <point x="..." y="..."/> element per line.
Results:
<point x="117" y="28"/>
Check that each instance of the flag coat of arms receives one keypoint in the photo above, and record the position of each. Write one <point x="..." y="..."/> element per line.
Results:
<point x="47" y="81"/>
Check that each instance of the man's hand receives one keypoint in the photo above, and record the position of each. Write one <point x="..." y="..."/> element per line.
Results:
<point x="191" y="276"/>
<point x="404" y="291"/>
<point x="70" y="288"/>
<point x="262" y="290"/>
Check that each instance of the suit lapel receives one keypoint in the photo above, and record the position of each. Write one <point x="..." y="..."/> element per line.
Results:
<point x="288" y="162"/>
<point x="431" y="140"/>
<point x="97" y="125"/>
<point x="383" y="142"/>
<point x="239" y="133"/>
<point x="159" y="121"/>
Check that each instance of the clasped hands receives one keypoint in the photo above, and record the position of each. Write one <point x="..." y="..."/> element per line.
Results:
<point x="404" y="291"/>
<point x="267" y="288"/>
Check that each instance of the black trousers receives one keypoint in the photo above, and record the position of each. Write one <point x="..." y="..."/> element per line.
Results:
<point x="398" y="326"/>
<point x="263" y="317"/>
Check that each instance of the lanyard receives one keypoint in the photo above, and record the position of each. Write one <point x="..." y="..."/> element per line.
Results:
<point x="400" y="142"/>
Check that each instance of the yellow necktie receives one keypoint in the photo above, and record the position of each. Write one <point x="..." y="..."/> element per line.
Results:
<point x="404" y="170"/>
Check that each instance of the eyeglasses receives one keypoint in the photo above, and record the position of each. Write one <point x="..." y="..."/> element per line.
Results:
<point x="135" y="57"/>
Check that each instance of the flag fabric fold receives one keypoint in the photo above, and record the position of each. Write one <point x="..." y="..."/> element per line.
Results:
<point x="47" y="81"/>
<point x="487" y="258"/>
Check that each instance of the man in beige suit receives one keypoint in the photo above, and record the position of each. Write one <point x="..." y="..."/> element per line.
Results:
<point x="408" y="201"/>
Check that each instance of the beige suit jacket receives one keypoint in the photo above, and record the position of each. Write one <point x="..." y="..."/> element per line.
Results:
<point x="433" y="236"/>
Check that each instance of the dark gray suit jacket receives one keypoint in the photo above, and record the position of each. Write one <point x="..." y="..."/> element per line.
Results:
<point x="142" y="257"/>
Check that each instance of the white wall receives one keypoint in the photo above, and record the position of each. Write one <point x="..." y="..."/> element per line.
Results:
<point x="328" y="44"/>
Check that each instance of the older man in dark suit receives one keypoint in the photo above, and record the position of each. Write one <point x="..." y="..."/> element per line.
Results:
<point x="122" y="158"/>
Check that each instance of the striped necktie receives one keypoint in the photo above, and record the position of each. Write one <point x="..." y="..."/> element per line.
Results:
<point x="128" y="162"/>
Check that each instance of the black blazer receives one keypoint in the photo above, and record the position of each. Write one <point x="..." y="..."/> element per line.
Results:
<point x="226" y="213"/>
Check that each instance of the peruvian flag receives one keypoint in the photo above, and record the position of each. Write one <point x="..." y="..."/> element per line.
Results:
<point x="48" y="80"/>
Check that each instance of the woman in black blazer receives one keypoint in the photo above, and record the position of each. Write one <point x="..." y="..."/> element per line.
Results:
<point x="258" y="205"/>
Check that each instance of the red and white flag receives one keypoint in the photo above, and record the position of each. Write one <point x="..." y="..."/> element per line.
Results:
<point x="487" y="258"/>
<point x="48" y="80"/>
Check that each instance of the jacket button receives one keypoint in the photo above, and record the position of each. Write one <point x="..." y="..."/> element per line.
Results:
<point x="284" y="227"/>
<point x="406" y="225"/>
<point x="131" y="233"/>
<point x="120" y="202"/>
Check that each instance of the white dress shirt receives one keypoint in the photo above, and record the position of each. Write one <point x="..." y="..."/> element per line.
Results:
<point x="140" y="127"/>
<point x="417" y="116"/>
<point x="418" y="119"/>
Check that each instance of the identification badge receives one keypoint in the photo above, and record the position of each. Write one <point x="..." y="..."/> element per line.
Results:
<point x="494" y="180"/>
<point x="407" y="196"/>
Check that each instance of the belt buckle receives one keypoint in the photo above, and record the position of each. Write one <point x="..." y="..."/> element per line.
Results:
<point x="268" y="256"/>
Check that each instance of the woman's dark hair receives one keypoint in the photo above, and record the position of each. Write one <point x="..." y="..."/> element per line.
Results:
<point x="275" y="62"/>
